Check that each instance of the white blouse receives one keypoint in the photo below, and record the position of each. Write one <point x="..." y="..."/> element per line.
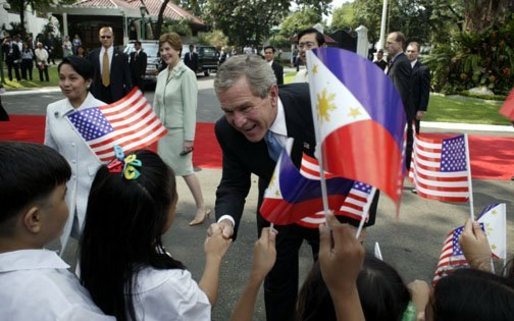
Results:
<point x="169" y="294"/>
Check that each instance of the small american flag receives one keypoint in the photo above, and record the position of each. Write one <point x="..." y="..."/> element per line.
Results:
<point x="129" y="123"/>
<point x="352" y="206"/>
<point x="451" y="257"/>
<point x="440" y="168"/>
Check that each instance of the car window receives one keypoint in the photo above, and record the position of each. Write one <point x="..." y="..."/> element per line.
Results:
<point x="208" y="51"/>
<point x="151" y="49"/>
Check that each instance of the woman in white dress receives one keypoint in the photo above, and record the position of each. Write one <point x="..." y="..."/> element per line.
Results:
<point x="175" y="102"/>
<point x="75" y="76"/>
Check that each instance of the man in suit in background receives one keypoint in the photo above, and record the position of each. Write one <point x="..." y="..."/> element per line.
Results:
<point x="380" y="62"/>
<point x="269" y="56"/>
<point x="420" y="83"/>
<point x="191" y="59"/>
<point x="400" y="71"/>
<point x="138" y="61"/>
<point x="111" y="77"/>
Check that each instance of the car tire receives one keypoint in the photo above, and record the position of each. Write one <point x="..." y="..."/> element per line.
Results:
<point x="206" y="72"/>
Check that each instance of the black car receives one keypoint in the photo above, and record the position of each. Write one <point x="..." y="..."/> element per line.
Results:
<point x="208" y="58"/>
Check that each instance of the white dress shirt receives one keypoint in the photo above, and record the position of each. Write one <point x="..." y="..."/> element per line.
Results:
<point x="169" y="294"/>
<point x="36" y="285"/>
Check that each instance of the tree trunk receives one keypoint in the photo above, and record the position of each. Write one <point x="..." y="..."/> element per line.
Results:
<point x="158" y="27"/>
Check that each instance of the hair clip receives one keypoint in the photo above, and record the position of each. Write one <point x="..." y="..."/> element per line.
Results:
<point x="124" y="165"/>
<point x="129" y="171"/>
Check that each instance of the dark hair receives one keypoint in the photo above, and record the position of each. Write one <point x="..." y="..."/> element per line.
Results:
<point x="469" y="294"/>
<point x="81" y="65"/>
<point x="28" y="172"/>
<point x="137" y="42"/>
<point x="320" y="38"/>
<point x="382" y="292"/>
<point x="122" y="234"/>
<point x="270" y="47"/>
<point x="415" y="44"/>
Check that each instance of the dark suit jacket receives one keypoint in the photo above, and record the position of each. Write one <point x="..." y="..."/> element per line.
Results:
<point x="138" y="64"/>
<point x="279" y="72"/>
<point x="400" y="73"/>
<point x="121" y="82"/>
<point x="420" y="86"/>
<point x="241" y="158"/>
<point x="191" y="60"/>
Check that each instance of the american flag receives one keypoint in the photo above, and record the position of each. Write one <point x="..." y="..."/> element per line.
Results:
<point x="451" y="257"/>
<point x="353" y="205"/>
<point x="440" y="168"/>
<point x="129" y="123"/>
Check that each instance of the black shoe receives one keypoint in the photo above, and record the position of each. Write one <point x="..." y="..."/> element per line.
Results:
<point x="414" y="191"/>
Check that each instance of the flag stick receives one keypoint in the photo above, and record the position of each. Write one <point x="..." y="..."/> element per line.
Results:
<point x="317" y="133"/>
<point x="365" y="211"/>
<point x="468" y="164"/>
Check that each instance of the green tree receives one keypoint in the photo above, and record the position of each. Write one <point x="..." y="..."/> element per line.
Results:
<point x="301" y="19"/>
<point x="250" y="21"/>
<point x="343" y="17"/>
<point x="20" y="6"/>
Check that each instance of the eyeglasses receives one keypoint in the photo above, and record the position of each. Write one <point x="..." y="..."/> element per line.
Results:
<point x="307" y="45"/>
<point x="106" y="37"/>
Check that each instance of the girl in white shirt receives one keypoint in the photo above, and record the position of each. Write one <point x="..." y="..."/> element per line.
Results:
<point x="123" y="263"/>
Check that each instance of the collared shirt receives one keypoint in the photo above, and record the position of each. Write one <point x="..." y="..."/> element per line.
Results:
<point x="279" y="128"/>
<point x="169" y="294"/>
<point x="110" y="52"/>
<point x="301" y="76"/>
<point x="412" y="63"/>
<point x="35" y="284"/>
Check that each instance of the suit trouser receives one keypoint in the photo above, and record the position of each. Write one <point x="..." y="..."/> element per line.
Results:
<point x="281" y="283"/>
<point x="410" y="143"/>
<point x="16" y="67"/>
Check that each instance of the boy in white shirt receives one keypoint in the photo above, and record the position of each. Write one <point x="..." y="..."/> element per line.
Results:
<point x="34" y="282"/>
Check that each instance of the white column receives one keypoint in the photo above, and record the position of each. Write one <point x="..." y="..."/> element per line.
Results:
<point x="65" y="23"/>
<point x="383" y="25"/>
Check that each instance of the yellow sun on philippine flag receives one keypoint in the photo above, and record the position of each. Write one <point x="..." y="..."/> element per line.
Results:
<point x="325" y="104"/>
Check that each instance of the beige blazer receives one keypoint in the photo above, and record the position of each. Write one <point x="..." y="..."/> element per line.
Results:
<point x="176" y="98"/>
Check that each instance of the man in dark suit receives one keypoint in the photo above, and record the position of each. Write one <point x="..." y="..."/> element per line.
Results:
<point x="111" y="77"/>
<point x="380" y="62"/>
<point x="269" y="55"/>
<point x="400" y="71"/>
<point x="420" y="83"/>
<point x="256" y="113"/>
<point x="138" y="61"/>
<point x="191" y="59"/>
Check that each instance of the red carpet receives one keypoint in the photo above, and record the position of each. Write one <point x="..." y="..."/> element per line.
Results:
<point x="491" y="157"/>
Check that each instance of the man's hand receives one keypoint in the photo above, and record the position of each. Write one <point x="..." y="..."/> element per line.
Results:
<point x="227" y="229"/>
<point x="420" y="114"/>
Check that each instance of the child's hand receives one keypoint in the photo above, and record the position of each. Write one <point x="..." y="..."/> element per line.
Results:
<point x="264" y="253"/>
<point x="420" y="294"/>
<point x="215" y="244"/>
<point x="475" y="246"/>
<point x="341" y="263"/>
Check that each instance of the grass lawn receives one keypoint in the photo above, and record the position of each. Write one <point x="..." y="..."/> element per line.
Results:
<point x="34" y="83"/>
<point x="455" y="109"/>
<point x="460" y="109"/>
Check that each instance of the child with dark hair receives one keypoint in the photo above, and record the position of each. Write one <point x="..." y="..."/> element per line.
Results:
<point x="382" y="292"/>
<point x="35" y="283"/>
<point x="470" y="294"/>
<point x="123" y="263"/>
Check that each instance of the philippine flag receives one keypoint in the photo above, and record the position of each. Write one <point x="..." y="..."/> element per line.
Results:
<point x="494" y="219"/>
<point x="359" y="119"/>
<point x="291" y="196"/>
